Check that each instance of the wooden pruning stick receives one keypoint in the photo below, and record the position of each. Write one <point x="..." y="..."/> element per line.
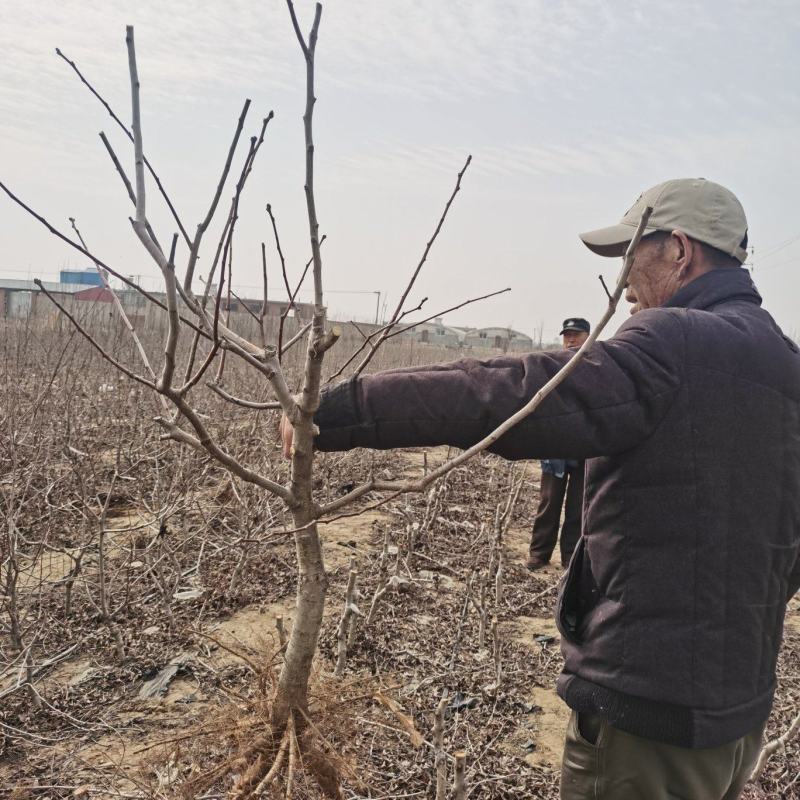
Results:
<point x="420" y="484"/>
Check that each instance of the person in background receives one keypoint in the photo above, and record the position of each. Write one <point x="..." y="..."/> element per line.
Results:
<point x="561" y="479"/>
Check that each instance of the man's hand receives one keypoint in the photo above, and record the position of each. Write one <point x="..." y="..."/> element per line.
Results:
<point x="287" y="436"/>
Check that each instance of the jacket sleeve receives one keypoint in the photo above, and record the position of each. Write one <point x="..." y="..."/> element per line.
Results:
<point x="615" y="398"/>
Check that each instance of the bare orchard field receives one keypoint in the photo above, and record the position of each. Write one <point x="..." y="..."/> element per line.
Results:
<point x="146" y="594"/>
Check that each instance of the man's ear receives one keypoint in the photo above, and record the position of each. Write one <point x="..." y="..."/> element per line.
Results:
<point x="684" y="253"/>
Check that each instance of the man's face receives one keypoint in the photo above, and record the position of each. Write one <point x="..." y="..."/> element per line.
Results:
<point x="574" y="338"/>
<point x="653" y="279"/>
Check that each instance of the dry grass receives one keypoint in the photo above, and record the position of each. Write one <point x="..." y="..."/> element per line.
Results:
<point x="196" y="571"/>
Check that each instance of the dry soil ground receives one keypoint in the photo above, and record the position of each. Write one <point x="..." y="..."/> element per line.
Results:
<point x="99" y="734"/>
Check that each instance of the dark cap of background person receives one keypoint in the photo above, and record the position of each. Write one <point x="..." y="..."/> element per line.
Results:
<point x="575" y="324"/>
<point x="703" y="210"/>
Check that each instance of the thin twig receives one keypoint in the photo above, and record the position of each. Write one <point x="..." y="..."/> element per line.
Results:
<point x="447" y="311"/>
<point x="93" y="342"/>
<point x="360" y="368"/>
<point x="270" y="406"/>
<point x="605" y="288"/>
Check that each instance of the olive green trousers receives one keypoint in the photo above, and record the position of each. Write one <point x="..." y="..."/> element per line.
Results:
<point x="604" y="763"/>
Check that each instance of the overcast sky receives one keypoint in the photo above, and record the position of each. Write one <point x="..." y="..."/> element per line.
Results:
<point x="570" y="110"/>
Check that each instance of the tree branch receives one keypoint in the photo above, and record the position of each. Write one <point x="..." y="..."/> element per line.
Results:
<point x="93" y="342"/>
<point x="215" y="387"/>
<point x="296" y="338"/>
<point x="292" y="297"/>
<point x="360" y="368"/>
<point x="122" y="314"/>
<point x="125" y="181"/>
<point x="447" y="311"/>
<point x="279" y="249"/>
<point x="130" y="136"/>
<point x="194" y="250"/>
<point x="98" y="262"/>
<point x="262" y="316"/>
<point x="773" y="746"/>
<point x="380" y="332"/>
<point x="203" y="441"/>
<point x="421" y="484"/>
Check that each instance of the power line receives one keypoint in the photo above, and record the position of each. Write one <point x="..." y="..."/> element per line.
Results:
<point x="771" y="252"/>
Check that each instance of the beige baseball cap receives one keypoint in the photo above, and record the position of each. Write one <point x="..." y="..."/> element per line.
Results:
<point x="702" y="209"/>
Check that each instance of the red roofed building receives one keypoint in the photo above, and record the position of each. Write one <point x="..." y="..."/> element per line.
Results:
<point x="97" y="294"/>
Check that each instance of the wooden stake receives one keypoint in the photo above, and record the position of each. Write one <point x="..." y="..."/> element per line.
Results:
<point x="440" y="759"/>
<point x="460" y="776"/>
<point x="498" y="671"/>
<point x="281" y="631"/>
<point x="483" y="613"/>
<point x="344" y="623"/>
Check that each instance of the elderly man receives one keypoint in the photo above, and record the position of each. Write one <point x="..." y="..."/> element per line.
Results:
<point x="562" y="480"/>
<point x="672" y="610"/>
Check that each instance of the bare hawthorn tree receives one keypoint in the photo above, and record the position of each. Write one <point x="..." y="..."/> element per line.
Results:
<point x="197" y="337"/>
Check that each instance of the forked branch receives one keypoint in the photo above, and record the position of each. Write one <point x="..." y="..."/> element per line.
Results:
<point x="774" y="746"/>
<point x="130" y="136"/>
<point x="398" y="314"/>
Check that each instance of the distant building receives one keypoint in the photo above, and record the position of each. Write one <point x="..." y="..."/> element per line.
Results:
<point x="134" y="300"/>
<point x="436" y="332"/>
<point x="275" y="308"/>
<point x="83" y="277"/>
<point x="19" y="299"/>
<point x="97" y="294"/>
<point x="505" y="339"/>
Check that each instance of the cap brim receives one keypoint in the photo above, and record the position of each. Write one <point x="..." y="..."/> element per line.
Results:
<point x="612" y="242"/>
<point x="577" y="330"/>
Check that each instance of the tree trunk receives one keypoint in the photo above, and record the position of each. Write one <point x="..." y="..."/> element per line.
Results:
<point x="312" y="587"/>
